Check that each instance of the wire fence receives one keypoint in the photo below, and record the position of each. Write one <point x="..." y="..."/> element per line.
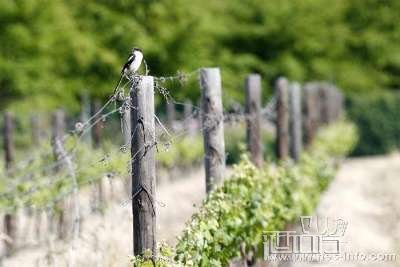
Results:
<point x="30" y="177"/>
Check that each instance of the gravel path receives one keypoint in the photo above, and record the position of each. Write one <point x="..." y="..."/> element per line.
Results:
<point x="365" y="193"/>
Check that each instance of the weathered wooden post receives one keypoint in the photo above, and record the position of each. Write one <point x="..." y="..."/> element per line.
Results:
<point x="289" y="117"/>
<point x="58" y="130"/>
<point x="10" y="224"/>
<point x="143" y="165"/>
<point x="253" y="118"/>
<point x="57" y="133"/>
<point x="282" y="119"/>
<point x="35" y="129"/>
<point x="58" y="125"/>
<point x="36" y="136"/>
<point x="187" y="109"/>
<point x="330" y="102"/>
<point x="323" y="91"/>
<point x="63" y="156"/>
<point x="311" y="113"/>
<point x="213" y="126"/>
<point x="334" y="103"/>
<point x="9" y="140"/>
<point x="338" y="103"/>
<point x="295" y="121"/>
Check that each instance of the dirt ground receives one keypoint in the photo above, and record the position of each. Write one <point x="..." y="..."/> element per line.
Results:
<point x="364" y="193"/>
<point x="107" y="240"/>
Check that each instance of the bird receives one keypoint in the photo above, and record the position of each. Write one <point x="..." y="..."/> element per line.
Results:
<point x="131" y="66"/>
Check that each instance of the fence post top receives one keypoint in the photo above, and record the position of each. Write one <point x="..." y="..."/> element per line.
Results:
<point x="210" y="69"/>
<point x="210" y="78"/>
<point x="295" y="86"/>
<point x="253" y="77"/>
<point x="213" y="72"/>
<point x="144" y="80"/>
<point x="140" y="78"/>
<point x="281" y="82"/>
<point x="253" y="84"/>
<point x="9" y="114"/>
<point x="311" y="87"/>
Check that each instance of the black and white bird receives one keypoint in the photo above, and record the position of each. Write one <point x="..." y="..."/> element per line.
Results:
<point x="131" y="66"/>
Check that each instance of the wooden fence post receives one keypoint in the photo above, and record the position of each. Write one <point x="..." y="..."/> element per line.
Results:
<point x="9" y="139"/>
<point x="295" y="121"/>
<point x="253" y="118"/>
<point x="213" y="126"/>
<point x="10" y="223"/>
<point x="143" y="165"/>
<point x="59" y="147"/>
<point x="331" y="103"/>
<point x="282" y="119"/>
<point x="35" y="130"/>
<point x="311" y="113"/>
<point x="323" y="91"/>
<point x="58" y="130"/>
<point x="187" y="109"/>
<point x="338" y="103"/>
<point x="334" y="103"/>
<point x="36" y="138"/>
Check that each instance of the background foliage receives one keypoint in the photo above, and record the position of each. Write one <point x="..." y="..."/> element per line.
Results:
<point x="53" y="50"/>
<point x="377" y="118"/>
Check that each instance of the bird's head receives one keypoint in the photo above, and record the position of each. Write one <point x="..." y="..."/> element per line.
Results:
<point x="136" y="49"/>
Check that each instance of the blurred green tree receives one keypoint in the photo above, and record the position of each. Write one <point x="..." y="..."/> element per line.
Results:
<point x="53" y="50"/>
